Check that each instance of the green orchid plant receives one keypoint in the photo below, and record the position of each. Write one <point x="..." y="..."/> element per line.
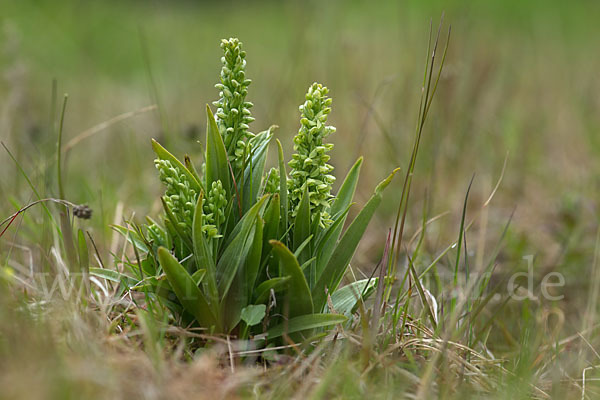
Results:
<point x="243" y="252"/>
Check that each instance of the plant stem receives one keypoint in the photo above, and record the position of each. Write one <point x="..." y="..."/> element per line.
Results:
<point x="61" y="190"/>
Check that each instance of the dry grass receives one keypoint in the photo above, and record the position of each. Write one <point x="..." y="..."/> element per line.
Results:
<point x="520" y="79"/>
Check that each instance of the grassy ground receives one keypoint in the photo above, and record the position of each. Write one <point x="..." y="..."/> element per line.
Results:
<point x="519" y="88"/>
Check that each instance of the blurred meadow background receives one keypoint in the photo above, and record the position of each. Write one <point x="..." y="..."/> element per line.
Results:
<point x="520" y="89"/>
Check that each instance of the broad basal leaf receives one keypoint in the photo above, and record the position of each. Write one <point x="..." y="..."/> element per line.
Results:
<point x="336" y="267"/>
<point x="345" y="299"/>
<point x="259" y="145"/>
<point x="217" y="165"/>
<point x="186" y="290"/>
<point x="299" y="297"/>
<point x="253" y="314"/>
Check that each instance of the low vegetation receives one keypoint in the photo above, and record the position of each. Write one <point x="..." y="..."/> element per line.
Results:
<point x="236" y="271"/>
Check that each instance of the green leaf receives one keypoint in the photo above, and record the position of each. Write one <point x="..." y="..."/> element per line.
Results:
<point x="302" y="223"/>
<point x="191" y="168"/>
<point x="307" y="263"/>
<point x="345" y="299"/>
<point x="240" y="292"/>
<point x="264" y="289"/>
<point x="346" y="193"/>
<point x="299" y="294"/>
<point x="283" y="194"/>
<point x="113" y="276"/>
<point x="234" y="255"/>
<point x="186" y="290"/>
<point x="339" y="211"/>
<point x="304" y="322"/>
<point x="255" y="168"/>
<point x="132" y="237"/>
<point x="164" y="154"/>
<point x="217" y="165"/>
<point x="336" y="267"/>
<point x="328" y="240"/>
<point x="251" y="268"/>
<point x="302" y="246"/>
<point x="198" y="276"/>
<point x="253" y="314"/>
<point x="203" y="255"/>
<point x="271" y="217"/>
<point x="159" y="286"/>
<point x="84" y="259"/>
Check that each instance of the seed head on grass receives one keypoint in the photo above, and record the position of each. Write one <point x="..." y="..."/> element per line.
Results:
<point x="233" y="111"/>
<point x="82" y="211"/>
<point x="309" y="164"/>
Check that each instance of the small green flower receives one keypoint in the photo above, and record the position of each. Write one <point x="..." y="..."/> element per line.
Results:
<point x="179" y="196"/>
<point x="309" y="164"/>
<point x="272" y="181"/>
<point x="233" y="111"/>
<point x="214" y="209"/>
<point x="156" y="234"/>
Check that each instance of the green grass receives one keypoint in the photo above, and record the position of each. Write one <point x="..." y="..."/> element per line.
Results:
<point x="519" y="86"/>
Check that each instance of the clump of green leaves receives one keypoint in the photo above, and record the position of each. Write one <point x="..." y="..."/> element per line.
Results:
<point x="246" y="252"/>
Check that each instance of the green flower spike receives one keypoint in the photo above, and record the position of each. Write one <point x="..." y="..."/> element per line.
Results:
<point x="309" y="164"/>
<point x="233" y="111"/>
<point x="272" y="181"/>
<point x="156" y="234"/>
<point x="179" y="196"/>
<point x="214" y="209"/>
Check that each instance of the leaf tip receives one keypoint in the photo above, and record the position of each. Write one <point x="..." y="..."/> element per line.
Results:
<point x="275" y="243"/>
<point x="162" y="251"/>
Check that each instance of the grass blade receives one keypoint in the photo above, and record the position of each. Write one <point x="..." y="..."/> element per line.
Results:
<point x="305" y="322"/>
<point x="421" y="292"/>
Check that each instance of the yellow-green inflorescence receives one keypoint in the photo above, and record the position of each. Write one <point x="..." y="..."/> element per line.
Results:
<point x="233" y="111"/>
<point x="214" y="209"/>
<point x="272" y="181"/>
<point x="309" y="166"/>
<point x="180" y="197"/>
